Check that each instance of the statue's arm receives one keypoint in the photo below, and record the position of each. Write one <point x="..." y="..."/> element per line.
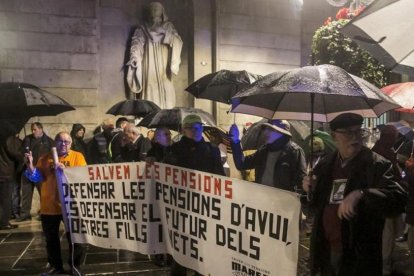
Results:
<point x="173" y="39"/>
<point x="137" y="48"/>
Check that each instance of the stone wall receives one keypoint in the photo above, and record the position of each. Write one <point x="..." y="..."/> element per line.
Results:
<point x="77" y="48"/>
<point x="54" y="45"/>
<point x="259" y="36"/>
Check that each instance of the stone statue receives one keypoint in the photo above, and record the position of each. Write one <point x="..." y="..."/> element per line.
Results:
<point x="154" y="56"/>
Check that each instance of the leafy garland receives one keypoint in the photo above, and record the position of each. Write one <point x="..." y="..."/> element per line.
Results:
<point x="329" y="46"/>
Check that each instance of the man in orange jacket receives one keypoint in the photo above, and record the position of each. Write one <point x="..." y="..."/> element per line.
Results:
<point x="50" y="205"/>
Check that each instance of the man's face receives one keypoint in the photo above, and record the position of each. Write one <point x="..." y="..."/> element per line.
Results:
<point x="108" y="128"/>
<point x="348" y="141"/>
<point x="63" y="143"/>
<point x="194" y="132"/>
<point x="163" y="137"/>
<point x="271" y="135"/>
<point x="37" y="131"/>
<point x="130" y="135"/>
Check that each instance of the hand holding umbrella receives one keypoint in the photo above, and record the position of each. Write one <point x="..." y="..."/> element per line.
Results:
<point x="234" y="133"/>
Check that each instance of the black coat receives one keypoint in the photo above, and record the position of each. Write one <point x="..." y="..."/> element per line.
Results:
<point x="11" y="158"/>
<point x="202" y="156"/>
<point x="135" y="152"/>
<point x="362" y="235"/>
<point x="290" y="167"/>
<point x="409" y="218"/>
<point x="38" y="146"/>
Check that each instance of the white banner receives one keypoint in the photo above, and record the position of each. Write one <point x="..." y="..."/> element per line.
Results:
<point x="212" y="224"/>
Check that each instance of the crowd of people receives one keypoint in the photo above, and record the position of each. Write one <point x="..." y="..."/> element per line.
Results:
<point x="351" y="192"/>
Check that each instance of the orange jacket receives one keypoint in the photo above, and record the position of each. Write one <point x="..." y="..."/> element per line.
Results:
<point x="49" y="194"/>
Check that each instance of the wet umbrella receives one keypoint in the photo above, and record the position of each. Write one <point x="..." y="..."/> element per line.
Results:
<point x="213" y="132"/>
<point x="405" y="135"/>
<point x="404" y="131"/>
<point x="254" y="137"/>
<point x="222" y="85"/>
<point x="172" y="118"/>
<point x="11" y="126"/>
<point x="313" y="93"/>
<point x="137" y="108"/>
<point x="403" y="94"/>
<point x="384" y="29"/>
<point x="23" y="100"/>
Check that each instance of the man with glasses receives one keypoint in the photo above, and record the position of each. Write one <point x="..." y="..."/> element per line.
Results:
<point x="50" y="206"/>
<point x="192" y="152"/>
<point x="353" y="191"/>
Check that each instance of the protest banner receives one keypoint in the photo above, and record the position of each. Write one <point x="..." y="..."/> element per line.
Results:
<point x="213" y="224"/>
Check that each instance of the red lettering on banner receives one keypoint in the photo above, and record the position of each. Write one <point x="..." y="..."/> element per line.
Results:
<point x="90" y="172"/>
<point x="157" y="172"/>
<point x="175" y="176"/>
<point x="109" y="172"/>
<point x="167" y="173"/>
<point x="192" y="180"/>
<point x="228" y="187"/>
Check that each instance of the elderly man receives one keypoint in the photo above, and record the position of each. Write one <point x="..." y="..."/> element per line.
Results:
<point x="353" y="190"/>
<point x="280" y="163"/>
<point x="136" y="147"/>
<point x="97" y="147"/>
<point x="50" y="205"/>
<point x="192" y="152"/>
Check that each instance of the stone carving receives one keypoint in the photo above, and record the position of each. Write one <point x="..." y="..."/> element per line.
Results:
<point x="154" y="57"/>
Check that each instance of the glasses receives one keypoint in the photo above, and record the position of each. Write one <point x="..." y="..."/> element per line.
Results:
<point x="350" y="133"/>
<point x="64" y="142"/>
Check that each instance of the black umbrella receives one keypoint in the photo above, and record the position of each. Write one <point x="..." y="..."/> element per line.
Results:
<point x="254" y="137"/>
<point x="222" y="85"/>
<point x="385" y="29"/>
<point x="405" y="136"/>
<point x="214" y="132"/>
<point x="23" y="100"/>
<point x="11" y="127"/>
<point x="313" y="93"/>
<point x="172" y="118"/>
<point x="405" y="132"/>
<point x="137" y="108"/>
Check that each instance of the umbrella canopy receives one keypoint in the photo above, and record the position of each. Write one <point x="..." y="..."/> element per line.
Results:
<point x="137" y="108"/>
<point x="384" y="29"/>
<point x="403" y="94"/>
<point x="405" y="134"/>
<point x="254" y="137"/>
<point x="222" y="85"/>
<point x="214" y="132"/>
<point x="11" y="127"/>
<point x="23" y="100"/>
<point x="313" y="93"/>
<point x="325" y="137"/>
<point x="172" y="118"/>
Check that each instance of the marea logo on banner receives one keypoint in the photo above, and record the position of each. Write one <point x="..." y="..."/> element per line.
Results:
<point x="239" y="268"/>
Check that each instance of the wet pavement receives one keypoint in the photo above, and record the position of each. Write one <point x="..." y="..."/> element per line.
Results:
<point x="22" y="252"/>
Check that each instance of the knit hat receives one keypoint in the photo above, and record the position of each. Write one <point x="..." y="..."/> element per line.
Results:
<point x="281" y="126"/>
<point x="191" y="119"/>
<point x="346" y="120"/>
